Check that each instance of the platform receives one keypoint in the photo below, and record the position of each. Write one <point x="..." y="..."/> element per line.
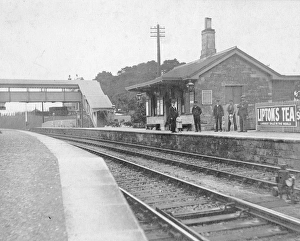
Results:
<point x="269" y="148"/>
<point x="83" y="204"/>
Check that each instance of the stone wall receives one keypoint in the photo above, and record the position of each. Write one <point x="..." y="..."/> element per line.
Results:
<point x="283" y="90"/>
<point x="256" y="84"/>
<point x="260" y="150"/>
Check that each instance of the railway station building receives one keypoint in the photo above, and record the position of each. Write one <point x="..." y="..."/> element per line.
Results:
<point x="225" y="75"/>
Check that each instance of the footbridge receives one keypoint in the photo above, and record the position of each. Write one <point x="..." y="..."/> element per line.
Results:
<point x="87" y="93"/>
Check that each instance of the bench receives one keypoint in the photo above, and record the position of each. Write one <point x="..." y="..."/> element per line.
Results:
<point x="187" y="127"/>
<point x="152" y="126"/>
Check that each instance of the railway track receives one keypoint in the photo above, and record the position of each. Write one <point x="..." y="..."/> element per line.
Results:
<point x="259" y="174"/>
<point x="202" y="213"/>
<point x="155" y="225"/>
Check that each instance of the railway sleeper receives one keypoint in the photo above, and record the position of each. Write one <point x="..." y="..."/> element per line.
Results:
<point x="212" y="219"/>
<point x="203" y="213"/>
<point x="182" y="204"/>
<point x="145" y="194"/>
<point x="250" y="234"/>
<point x="169" y="200"/>
<point x="225" y="226"/>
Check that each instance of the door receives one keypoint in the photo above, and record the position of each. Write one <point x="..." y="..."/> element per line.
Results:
<point x="233" y="93"/>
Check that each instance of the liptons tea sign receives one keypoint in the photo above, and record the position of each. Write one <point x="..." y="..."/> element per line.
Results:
<point x="281" y="115"/>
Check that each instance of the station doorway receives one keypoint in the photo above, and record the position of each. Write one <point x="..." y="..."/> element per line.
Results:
<point x="233" y="93"/>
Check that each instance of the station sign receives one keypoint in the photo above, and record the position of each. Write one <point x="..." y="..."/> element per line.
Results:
<point x="278" y="115"/>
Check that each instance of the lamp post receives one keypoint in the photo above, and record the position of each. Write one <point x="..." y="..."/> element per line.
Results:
<point x="191" y="91"/>
<point x="53" y="115"/>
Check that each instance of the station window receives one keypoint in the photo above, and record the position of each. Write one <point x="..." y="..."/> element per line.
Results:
<point x="206" y="97"/>
<point x="182" y="104"/>
<point x="153" y="106"/>
<point x="148" y="108"/>
<point x="160" y="106"/>
<point x="54" y="90"/>
<point x="18" y="89"/>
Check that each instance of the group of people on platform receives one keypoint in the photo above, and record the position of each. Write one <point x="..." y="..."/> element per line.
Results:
<point x="175" y="120"/>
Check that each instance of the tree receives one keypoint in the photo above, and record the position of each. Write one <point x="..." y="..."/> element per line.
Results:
<point x="114" y="86"/>
<point x="170" y="64"/>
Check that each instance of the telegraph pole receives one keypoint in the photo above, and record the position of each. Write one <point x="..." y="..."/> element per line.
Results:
<point x="159" y="33"/>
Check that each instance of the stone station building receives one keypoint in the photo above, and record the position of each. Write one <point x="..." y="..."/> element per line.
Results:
<point x="215" y="75"/>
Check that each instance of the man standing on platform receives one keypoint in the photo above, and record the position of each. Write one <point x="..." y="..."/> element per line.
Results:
<point x="231" y="116"/>
<point x="196" y="111"/>
<point x="218" y="114"/>
<point x="243" y="113"/>
<point x="172" y="117"/>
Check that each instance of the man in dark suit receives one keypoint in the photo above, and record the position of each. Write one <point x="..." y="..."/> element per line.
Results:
<point x="243" y="113"/>
<point x="218" y="114"/>
<point x="196" y="111"/>
<point x="172" y="117"/>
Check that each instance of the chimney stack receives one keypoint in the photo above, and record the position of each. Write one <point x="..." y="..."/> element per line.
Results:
<point x="208" y="40"/>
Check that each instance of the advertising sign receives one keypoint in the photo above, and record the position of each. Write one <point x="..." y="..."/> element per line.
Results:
<point x="281" y="115"/>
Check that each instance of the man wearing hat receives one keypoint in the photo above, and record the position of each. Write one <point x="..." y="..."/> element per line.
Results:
<point x="243" y="113"/>
<point x="196" y="111"/>
<point x="218" y="114"/>
<point x="172" y="116"/>
<point x="231" y="115"/>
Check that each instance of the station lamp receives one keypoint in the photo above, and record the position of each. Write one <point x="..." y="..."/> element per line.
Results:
<point x="139" y="96"/>
<point x="190" y="85"/>
<point x="113" y="108"/>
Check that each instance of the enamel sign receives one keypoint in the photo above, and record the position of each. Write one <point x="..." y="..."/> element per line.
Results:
<point x="281" y="115"/>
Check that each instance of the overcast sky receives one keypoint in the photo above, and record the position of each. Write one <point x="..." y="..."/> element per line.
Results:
<point x="52" y="39"/>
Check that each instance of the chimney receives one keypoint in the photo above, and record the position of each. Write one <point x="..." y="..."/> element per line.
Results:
<point x="208" y="40"/>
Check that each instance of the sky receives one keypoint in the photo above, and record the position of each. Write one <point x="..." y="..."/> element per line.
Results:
<point x="54" y="39"/>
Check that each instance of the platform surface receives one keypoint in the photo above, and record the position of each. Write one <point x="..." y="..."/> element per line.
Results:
<point x="91" y="206"/>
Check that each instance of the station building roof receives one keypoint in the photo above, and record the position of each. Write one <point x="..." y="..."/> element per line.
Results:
<point x="192" y="70"/>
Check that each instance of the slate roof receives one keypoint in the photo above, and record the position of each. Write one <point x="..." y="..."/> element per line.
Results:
<point x="192" y="70"/>
<point x="188" y="70"/>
